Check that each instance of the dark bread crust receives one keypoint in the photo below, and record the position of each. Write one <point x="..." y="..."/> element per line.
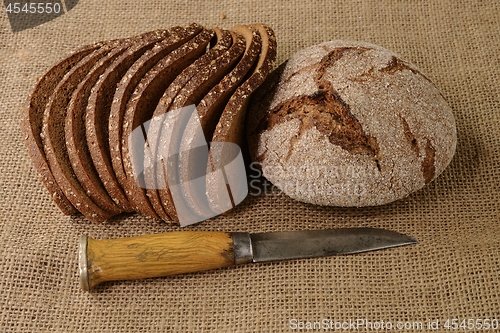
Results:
<point x="127" y="85"/>
<point x="330" y="115"/>
<point x="192" y="93"/>
<point x="140" y="108"/>
<point x="32" y="119"/>
<point x="54" y="144"/>
<point x="98" y="110"/>
<point x="209" y="112"/>
<point x="231" y="124"/>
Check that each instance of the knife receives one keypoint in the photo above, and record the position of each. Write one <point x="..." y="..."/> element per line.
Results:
<point x="191" y="251"/>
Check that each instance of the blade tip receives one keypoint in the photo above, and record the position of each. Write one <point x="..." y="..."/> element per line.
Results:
<point x="411" y="240"/>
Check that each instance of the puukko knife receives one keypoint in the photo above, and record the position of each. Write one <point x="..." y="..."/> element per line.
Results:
<point x="191" y="251"/>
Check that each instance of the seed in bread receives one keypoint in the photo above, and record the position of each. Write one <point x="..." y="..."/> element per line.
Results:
<point x="350" y="124"/>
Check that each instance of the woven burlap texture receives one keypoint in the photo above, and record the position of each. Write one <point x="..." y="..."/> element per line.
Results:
<point x="453" y="272"/>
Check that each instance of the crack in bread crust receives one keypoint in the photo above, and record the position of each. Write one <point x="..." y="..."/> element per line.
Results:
<point x="428" y="167"/>
<point x="332" y="57"/>
<point x="325" y="110"/>
<point x="410" y="137"/>
<point x="331" y="116"/>
<point x="396" y="65"/>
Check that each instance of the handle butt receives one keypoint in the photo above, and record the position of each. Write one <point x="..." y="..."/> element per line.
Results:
<point x="82" y="264"/>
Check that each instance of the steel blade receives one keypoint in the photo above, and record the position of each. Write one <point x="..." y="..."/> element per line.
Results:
<point x="318" y="243"/>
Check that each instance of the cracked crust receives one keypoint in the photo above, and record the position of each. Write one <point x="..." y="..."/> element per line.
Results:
<point x="350" y="124"/>
<point x="329" y="114"/>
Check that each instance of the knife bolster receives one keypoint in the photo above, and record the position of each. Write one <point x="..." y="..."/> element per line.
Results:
<point x="243" y="252"/>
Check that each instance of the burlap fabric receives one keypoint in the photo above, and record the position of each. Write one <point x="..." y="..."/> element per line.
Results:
<point x="453" y="272"/>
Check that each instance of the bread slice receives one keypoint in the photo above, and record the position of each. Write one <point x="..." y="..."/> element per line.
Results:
<point x="32" y="118"/>
<point x="153" y="179"/>
<point x="54" y="142"/>
<point x="127" y="85"/>
<point x="140" y="109"/>
<point x="74" y="129"/>
<point x="200" y="129"/>
<point x="98" y="111"/>
<point x="230" y="128"/>
<point x="192" y="93"/>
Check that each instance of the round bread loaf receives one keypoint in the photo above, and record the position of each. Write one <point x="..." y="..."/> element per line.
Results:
<point x="350" y="124"/>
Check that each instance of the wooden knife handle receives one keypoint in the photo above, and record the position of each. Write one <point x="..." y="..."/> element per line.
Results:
<point x="153" y="256"/>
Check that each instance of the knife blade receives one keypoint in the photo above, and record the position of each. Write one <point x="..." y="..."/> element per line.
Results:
<point x="180" y="252"/>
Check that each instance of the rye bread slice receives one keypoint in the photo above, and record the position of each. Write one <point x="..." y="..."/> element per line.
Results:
<point x="139" y="110"/>
<point x="231" y="124"/>
<point x="192" y="93"/>
<point x="193" y="164"/>
<point x="98" y="111"/>
<point x="223" y="40"/>
<point x="127" y="85"/>
<point x="32" y="119"/>
<point x="54" y="143"/>
<point x="74" y="130"/>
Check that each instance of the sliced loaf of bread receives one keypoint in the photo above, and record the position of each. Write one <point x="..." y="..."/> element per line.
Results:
<point x="129" y="82"/>
<point x="192" y="93"/>
<point x="114" y="127"/>
<point x="74" y="129"/>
